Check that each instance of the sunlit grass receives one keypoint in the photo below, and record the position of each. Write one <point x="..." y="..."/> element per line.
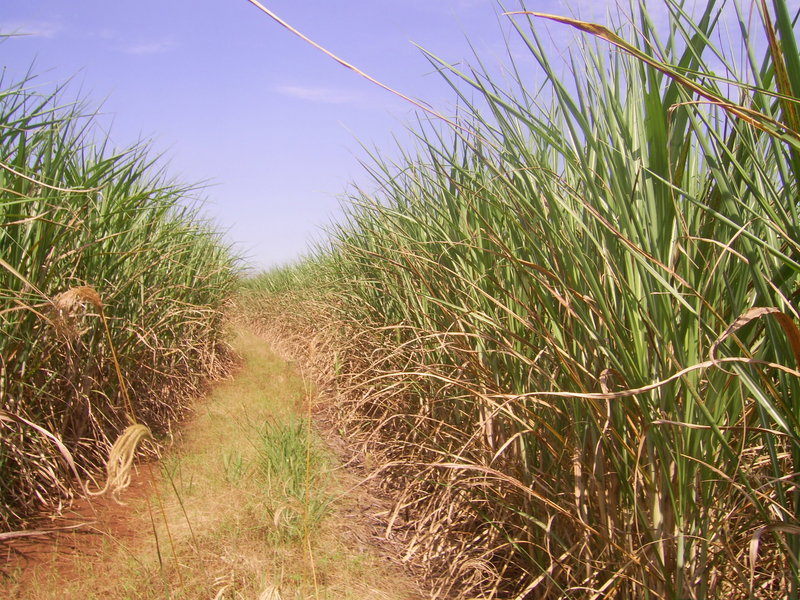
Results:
<point x="577" y="325"/>
<point x="293" y="466"/>
<point x="93" y="236"/>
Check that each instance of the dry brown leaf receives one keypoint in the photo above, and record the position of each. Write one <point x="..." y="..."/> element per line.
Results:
<point x="785" y="321"/>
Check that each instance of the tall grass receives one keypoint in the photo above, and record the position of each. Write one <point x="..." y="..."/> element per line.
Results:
<point x="292" y="465"/>
<point x="576" y="327"/>
<point x="92" y="236"/>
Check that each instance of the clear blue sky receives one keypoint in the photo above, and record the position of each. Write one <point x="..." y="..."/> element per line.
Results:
<point x="232" y="98"/>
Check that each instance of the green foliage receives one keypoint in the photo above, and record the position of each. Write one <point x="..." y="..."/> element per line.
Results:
<point x="292" y="465"/>
<point x="577" y="318"/>
<point x="85" y="226"/>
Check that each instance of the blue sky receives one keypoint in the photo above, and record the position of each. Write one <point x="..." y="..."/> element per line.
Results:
<point x="231" y="98"/>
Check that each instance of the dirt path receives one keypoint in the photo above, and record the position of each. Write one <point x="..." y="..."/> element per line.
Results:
<point x="247" y="504"/>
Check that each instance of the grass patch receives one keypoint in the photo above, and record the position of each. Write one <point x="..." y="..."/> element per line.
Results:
<point x="293" y="465"/>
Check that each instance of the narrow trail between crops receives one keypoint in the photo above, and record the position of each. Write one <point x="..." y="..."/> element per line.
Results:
<point x="247" y="503"/>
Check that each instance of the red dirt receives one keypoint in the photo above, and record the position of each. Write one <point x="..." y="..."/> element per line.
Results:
<point x="80" y="533"/>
